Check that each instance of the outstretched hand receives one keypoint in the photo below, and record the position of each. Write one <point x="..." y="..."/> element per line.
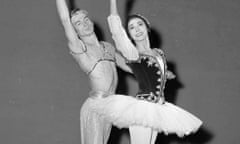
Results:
<point x="170" y="75"/>
<point x="113" y="7"/>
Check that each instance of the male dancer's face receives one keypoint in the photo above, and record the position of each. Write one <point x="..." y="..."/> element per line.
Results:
<point x="82" y="24"/>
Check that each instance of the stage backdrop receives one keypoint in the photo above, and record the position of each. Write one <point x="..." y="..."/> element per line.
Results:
<point x="42" y="88"/>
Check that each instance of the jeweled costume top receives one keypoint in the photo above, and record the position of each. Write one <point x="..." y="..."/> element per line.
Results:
<point x="150" y="72"/>
<point x="107" y="55"/>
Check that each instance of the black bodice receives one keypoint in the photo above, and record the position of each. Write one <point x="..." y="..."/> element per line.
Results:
<point x="151" y="76"/>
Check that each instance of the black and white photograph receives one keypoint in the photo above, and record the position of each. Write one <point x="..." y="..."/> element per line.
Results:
<point x="119" y="71"/>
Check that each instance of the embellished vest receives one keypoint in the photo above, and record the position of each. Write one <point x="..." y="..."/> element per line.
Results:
<point x="108" y="55"/>
<point x="150" y="72"/>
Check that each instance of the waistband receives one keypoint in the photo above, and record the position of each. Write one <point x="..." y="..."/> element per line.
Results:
<point x="150" y="97"/>
<point x="99" y="94"/>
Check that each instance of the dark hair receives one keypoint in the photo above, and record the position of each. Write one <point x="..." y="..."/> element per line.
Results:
<point x="146" y="22"/>
<point x="74" y="11"/>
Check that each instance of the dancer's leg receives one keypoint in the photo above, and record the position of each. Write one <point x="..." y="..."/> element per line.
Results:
<point x="154" y="136"/>
<point x="94" y="129"/>
<point x="106" y="130"/>
<point x="140" y="135"/>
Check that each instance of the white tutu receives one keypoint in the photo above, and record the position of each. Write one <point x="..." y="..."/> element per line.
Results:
<point x="124" y="111"/>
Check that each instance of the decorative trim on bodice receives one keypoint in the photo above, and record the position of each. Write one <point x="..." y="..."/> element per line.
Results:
<point x="159" y="61"/>
<point x="107" y="56"/>
<point x="163" y="66"/>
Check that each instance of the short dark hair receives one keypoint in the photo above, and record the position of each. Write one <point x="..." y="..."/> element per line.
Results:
<point x="74" y="11"/>
<point x="147" y="23"/>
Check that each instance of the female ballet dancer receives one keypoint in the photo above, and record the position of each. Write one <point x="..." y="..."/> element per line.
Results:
<point x="146" y="113"/>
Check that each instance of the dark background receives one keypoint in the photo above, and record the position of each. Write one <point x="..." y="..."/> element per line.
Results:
<point x="42" y="88"/>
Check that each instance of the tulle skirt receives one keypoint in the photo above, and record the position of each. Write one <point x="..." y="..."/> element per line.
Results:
<point x="124" y="111"/>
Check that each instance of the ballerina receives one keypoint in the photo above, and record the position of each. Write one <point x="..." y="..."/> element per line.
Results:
<point x="147" y="113"/>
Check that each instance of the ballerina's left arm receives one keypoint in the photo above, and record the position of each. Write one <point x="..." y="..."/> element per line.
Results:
<point x="170" y="75"/>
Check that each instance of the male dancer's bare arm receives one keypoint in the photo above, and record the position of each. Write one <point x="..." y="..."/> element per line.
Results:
<point x="74" y="43"/>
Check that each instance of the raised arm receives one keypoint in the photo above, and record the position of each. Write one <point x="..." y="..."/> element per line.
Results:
<point x="75" y="44"/>
<point x="65" y="19"/>
<point x="113" y="7"/>
<point x="119" y="35"/>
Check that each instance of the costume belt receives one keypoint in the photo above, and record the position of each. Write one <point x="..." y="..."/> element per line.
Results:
<point x="151" y="97"/>
<point x="99" y="94"/>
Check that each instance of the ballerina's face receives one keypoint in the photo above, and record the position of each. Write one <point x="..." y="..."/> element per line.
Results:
<point x="137" y="29"/>
<point x="82" y="23"/>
